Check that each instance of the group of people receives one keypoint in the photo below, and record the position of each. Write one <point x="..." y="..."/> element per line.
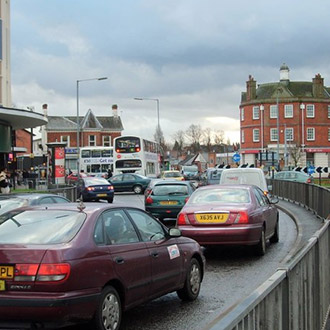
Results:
<point x="5" y="184"/>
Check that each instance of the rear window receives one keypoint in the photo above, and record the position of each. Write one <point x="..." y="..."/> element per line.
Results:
<point x="220" y="196"/>
<point x="39" y="226"/>
<point x="96" y="181"/>
<point x="172" y="174"/>
<point x="242" y="178"/>
<point x="163" y="190"/>
<point x="12" y="203"/>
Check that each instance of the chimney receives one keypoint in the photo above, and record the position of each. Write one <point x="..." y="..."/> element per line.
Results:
<point x="318" y="86"/>
<point x="45" y="109"/>
<point x="115" y="110"/>
<point x="251" y="89"/>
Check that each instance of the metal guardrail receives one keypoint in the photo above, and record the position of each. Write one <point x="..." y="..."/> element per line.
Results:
<point x="70" y="192"/>
<point x="297" y="296"/>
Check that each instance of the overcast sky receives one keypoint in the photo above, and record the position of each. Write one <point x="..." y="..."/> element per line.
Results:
<point x="195" y="56"/>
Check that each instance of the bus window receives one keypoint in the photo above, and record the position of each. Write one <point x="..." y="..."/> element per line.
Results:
<point x="107" y="153"/>
<point x="96" y="153"/>
<point x="85" y="153"/>
<point x="128" y="163"/>
<point x="127" y="145"/>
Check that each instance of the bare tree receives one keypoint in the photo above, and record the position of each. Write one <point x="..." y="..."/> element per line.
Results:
<point x="207" y="136"/>
<point x="179" y="137"/>
<point x="219" y="137"/>
<point x="295" y="153"/>
<point x="194" y="134"/>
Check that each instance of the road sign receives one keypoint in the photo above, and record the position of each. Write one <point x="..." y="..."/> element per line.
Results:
<point x="236" y="158"/>
<point x="311" y="169"/>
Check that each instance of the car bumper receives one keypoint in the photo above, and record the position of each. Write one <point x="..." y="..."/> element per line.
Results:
<point x="164" y="212"/>
<point x="230" y="235"/>
<point x="48" y="309"/>
<point x="98" y="196"/>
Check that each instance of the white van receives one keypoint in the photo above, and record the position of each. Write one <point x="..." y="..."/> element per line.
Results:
<point x="253" y="176"/>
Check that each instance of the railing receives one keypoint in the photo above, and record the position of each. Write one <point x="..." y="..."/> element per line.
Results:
<point x="297" y="296"/>
<point x="70" y="192"/>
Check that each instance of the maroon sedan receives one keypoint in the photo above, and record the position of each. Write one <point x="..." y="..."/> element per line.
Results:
<point x="231" y="215"/>
<point x="68" y="263"/>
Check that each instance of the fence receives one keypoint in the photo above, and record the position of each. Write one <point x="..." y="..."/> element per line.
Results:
<point x="297" y="296"/>
<point x="69" y="192"/>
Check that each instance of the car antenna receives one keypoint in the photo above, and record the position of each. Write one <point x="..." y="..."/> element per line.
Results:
<point x="81" y="205"/>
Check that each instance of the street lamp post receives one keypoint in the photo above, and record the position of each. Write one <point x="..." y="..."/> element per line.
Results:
<point x="278" y="128"/>
<point x="78" y="122"/>
<point x="157" y="100"/>
<point x="262" y="108"/>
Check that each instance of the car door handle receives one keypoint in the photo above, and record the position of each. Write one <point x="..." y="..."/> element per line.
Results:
<point x="119" y="260"/>
<point x="154" y="254"/>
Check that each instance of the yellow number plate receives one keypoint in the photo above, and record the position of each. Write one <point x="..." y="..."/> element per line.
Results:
<point x="211" y="217"/>
<point x="6" y="272"/>
<point x="2" y="285"/>
<point x="101" y="195"/>
<point x="168" y="203"/>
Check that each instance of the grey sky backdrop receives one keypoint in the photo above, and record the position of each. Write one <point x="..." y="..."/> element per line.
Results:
<point x="193" y="55"/>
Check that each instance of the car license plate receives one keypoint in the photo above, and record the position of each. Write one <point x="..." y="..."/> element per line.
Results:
<point x="211" y="217"/>
<point x="101" y="195"/>
<point x="168" y="202"/>
<point x="2" y="285"/>
<point x="6" y="272"/>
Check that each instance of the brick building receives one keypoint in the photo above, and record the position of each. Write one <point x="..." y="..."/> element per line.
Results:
<point x="303" y="122"/>
<point x="94" y="131"/>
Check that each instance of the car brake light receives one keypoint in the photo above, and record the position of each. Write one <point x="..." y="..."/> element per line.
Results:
<point x="90" y="188"/>
<point x="183" y="219"/>
<point x="309" y="180"/>
<point x="110" y="187"/>
<point x="149" y="200"/>
<point x="242" y="217"/>
<point x="53" y="272"/>
<point x="186" y="199"/>
<point x="44" y="273"/>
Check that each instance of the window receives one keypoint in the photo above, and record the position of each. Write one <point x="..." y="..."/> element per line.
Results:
<point x="66" y="139"/>
<point x="242" y="114"/>
<point x="328" y="111"/>
<point x="255" y="113"/>
<point x="273" y="134"/>
<point x="289" y="134"/>
<point x="92" y="140"/>
<point x="310" y="134"/>
<point x="310" y="111"/>
<point x="328" y="134"/>
<point x="256" y="135"/>
<point x="242" y="137"/>
<point x="273" y="111"/>
<point x="288" y="110"/>
<point x="106" y="141"/>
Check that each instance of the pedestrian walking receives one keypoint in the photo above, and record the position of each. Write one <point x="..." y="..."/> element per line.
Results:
<point x="4" y="181"/>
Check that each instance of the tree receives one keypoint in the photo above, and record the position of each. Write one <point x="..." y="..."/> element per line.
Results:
<point x="295" y="153"/>
<point x="179" y="137"/>
<point x="207" y="134"/>
<point x="219" y="137"/>
<point x="194" y="134"/>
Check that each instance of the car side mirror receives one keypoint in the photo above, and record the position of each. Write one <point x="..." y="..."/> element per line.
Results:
<point x="273" y="200"/>
<point x="174" y="232"/>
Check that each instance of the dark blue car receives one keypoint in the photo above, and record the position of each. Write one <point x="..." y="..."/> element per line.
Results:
<point x="95" y="189"/>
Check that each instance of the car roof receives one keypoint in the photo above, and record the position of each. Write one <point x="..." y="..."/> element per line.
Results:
<point x="227" y="186"/>
<point x="171" y="182"/>
<point x="28" y="195"/>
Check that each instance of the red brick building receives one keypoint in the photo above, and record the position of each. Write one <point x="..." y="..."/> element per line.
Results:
<point x="303" y="122"/>
<point x="93" y="131"/>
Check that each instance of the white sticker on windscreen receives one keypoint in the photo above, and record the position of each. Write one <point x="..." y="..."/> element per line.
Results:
<point x="173" y="251"/>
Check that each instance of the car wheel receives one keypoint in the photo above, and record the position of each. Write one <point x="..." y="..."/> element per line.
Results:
<point x="260" y="248"/>
<point x="193" y="281"/>
<point x="276" y="236"/>
<point x="108" y="314"/>
<point x="137" y="189"/>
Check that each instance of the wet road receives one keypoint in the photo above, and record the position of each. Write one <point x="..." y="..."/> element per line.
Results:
<point x="231" y="274"/>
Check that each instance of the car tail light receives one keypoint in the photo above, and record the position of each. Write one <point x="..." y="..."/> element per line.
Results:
<point x="149" y="200"/>
<point x="110" y="187"/>
<point x="183" y="219"/>
<point x="242" y="217"/>
<point x="309" y="180"/>
<point x="42" y="273"/>
<point x="90" y="188"/>
<point x="186" y="199"/>
<point x="182" y="179"/>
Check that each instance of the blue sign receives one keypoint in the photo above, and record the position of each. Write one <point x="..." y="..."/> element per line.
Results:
<point x="236" y="158"/>
<point x="311" y="169"/>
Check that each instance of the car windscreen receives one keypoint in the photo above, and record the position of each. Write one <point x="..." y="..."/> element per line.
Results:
<point x="220" y="196"/>
<point x="96" y="181"/>
<point x="166" y="190"/>
<point x="11" y="203"/>
<point x="39" y="226"/>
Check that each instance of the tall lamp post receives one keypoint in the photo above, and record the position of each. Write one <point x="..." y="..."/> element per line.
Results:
<point x="278" y="128"/>
<point x="78" y="122"/>
<point x="157" y="100"/>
